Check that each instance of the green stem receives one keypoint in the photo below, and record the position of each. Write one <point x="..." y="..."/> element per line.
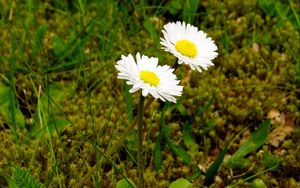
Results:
<point x="140" y="166"/>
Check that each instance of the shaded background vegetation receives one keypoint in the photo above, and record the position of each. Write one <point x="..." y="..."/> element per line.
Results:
<point x="63" y="111"/>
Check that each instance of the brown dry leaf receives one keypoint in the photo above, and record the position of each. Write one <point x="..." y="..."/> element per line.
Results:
<point x="277" y="136"/>
<point x="219" y="181"/>
<point x="255" y="47"/>
<point x="202" y="168"/>
<point x="276" y="117"/>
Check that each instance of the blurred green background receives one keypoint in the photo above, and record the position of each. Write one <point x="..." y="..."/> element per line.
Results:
<point x="63" y="113"/>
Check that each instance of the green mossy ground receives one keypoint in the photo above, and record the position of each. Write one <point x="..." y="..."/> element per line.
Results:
<point x="257" y="71"/>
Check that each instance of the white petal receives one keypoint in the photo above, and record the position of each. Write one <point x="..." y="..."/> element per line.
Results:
<point x="168" y="86"/>
<point x="206" y="47"/>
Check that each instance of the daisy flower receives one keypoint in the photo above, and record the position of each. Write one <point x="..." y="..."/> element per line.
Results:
<point x="147" y="75"/>
<point x="189" y="45"/>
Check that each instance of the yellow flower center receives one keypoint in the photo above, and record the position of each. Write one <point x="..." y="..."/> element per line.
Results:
<point x="149" y="77"/>
<point x="186" y="48"/>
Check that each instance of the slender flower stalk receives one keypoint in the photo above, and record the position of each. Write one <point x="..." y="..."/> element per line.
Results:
<point x="159" y="81"/>
<point x="140" y="159"/>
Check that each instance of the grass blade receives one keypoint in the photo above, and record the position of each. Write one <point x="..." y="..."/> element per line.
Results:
<point x="180" y="152"/>
<point x="190" y="10"/>
<point x="150" y="28"/>
<point x="213" y="169"/>
<point x="125" y="183"/>
<point x="8" y="109"/>
<point x="158" y="153"/>
<point x="256" y="140"/>
<point x="188" y="138"/>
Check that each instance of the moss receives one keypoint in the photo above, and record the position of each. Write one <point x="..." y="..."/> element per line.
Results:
<point x="253" y="74"/>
